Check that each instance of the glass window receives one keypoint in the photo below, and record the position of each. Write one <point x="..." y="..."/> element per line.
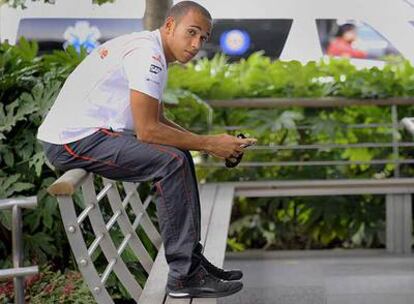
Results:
<point x="352" y="39"/>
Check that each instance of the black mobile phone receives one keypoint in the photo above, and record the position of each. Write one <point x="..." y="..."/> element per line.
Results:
<point x="229" y="163"/>
<point x="241" y="135"/>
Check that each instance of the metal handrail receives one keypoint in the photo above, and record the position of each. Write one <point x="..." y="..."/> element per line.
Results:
<point x="324" y="102"/>
<point x="18" y="272"/>
<point x="332" y="146"/>
<point x="328" y="102"/>
<point x="214" y="164"/>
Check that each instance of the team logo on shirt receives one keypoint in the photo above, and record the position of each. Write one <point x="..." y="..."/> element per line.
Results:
<point x="103" y="52"/>
<point x="158" y="58"/>
<point x="155" y="69"/>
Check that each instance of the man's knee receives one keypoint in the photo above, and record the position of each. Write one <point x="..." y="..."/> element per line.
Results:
<point x="178" y="158"/>
<point x="177" y="153"/>
<point x="187" y="155"/>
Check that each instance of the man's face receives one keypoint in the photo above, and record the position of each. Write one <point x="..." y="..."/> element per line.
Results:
<point x="188" y="35"/>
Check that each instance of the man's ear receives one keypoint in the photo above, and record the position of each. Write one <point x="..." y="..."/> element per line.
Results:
<point x="169" y="24"/>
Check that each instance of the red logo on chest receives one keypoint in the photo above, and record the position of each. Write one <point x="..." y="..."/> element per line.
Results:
<point x="158" y="58"/>
<point x="103" y="53"/>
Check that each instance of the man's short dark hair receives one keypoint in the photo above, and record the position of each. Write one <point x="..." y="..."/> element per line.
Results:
<point x="182" y="8"/>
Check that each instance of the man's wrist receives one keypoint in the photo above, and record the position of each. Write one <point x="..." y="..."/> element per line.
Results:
<point x="207" y="143"/>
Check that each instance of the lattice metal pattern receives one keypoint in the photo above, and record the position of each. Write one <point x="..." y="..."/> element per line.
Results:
<point x="107" y="212"/>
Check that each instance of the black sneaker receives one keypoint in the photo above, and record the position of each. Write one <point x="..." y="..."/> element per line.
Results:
<point x="202" y="285"/>
<point x="228" y="275"/>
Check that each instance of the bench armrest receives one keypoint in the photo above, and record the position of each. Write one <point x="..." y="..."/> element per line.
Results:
<point x="68" y="182"/>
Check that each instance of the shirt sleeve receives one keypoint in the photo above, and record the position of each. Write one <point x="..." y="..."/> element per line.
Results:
<point x="145" y="72"/>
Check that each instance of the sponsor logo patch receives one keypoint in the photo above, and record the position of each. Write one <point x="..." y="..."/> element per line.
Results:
<point x="103" y="52"/>
<point x="155" y="69"/>
<point x="158" y="58"/>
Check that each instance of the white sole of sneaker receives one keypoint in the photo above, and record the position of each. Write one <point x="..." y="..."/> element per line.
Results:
<point x="204" y="294"/>
<point x="178" y="294"/>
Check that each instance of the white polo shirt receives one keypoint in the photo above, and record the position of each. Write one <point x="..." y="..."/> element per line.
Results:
<point x="97" y="93"/>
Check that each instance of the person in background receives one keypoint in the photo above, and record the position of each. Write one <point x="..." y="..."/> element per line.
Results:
<point x="342" y="44"/>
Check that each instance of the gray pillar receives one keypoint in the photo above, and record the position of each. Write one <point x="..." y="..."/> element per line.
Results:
<point x="399" y="223"/>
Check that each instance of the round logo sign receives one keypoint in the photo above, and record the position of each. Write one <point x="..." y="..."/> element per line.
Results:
<point x="234" y="42"/>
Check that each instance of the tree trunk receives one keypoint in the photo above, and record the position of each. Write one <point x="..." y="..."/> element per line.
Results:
<point x="155" y="13"/>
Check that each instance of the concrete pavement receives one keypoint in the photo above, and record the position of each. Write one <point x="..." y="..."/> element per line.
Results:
<point x="323" y="277"/>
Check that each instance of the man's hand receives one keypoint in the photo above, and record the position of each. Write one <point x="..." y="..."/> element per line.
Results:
<point x="227" y="146"/>
<point x="149" y="129"/>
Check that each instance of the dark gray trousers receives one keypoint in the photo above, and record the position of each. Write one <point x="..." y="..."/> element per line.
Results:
<point x="120" y="156"/>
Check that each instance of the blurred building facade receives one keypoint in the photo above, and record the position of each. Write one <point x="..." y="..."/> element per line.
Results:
<point x="289" y="29"/>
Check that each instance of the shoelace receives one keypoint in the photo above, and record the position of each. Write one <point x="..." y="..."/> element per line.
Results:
<point x="211" y="266"/>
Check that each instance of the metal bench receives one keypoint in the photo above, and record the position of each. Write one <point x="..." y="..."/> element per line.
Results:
<point x="397" y="191"/>
<point x="216" y="203"/>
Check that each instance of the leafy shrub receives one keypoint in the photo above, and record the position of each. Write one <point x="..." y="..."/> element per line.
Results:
<point x="50" y="287"/>
<point x="28" y="85"/>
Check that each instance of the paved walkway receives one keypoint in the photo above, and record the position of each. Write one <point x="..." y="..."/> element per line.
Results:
<point x="318" y="277"/>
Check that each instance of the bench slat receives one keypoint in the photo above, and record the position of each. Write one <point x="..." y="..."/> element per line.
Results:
<point x="217" y="231"/>
<point x="312" y="183"/>
<point x="154" y="290"/>
<point x="324" y="191"/>
<point x="323" y="187"/>
<point x="216" y="241"/>
<point x="399" y="223"/>
<point x="207" y="199"/>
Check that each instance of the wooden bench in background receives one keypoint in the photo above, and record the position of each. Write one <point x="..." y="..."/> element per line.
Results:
<point x="397" y="191"/>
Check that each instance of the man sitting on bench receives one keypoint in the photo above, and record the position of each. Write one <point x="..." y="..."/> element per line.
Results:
<point x="118" y="87"/>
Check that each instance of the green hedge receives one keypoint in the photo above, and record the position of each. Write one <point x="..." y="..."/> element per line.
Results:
<point x="259" y="76"/>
